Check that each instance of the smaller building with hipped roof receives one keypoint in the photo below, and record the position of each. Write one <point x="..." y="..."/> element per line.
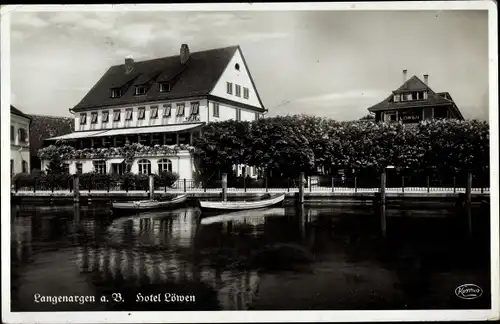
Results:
<point x="415" y="101"/>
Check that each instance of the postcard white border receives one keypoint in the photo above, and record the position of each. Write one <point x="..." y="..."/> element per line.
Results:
<point x="253" y="316"/>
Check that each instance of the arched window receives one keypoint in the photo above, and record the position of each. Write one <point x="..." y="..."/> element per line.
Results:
<point x="144" y="166"/>
<point x="164" y="165"/>
<point x="24" y="166"/>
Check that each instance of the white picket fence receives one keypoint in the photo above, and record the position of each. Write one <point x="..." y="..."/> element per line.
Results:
<point x="422" y="190"/>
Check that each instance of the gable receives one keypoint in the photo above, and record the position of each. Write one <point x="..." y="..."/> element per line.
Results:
<point x="241" y="77"/>
<point x="413" y="84"/>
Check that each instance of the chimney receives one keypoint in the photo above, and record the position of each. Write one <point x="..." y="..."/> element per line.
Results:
<point x="426" y="79"/>
<point x="184" y="53"/>
<point x="129" y="64"/>
<point x="404" y="75"/>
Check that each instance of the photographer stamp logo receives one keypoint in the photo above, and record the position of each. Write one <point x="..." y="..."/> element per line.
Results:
<point x="468" y="291"/>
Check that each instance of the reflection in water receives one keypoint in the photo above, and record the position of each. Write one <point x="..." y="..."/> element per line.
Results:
<point x="263" y="259"/>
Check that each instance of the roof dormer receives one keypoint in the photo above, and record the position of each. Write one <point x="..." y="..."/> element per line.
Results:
<point x="164" y="87"/>
<point x="140" y="90"/>
<point x="116" y="92"/>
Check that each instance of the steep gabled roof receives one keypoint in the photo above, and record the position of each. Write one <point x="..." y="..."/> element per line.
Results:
<point x="413" y="84"/>
<point x="15" y="111"/>
<point x="196" y="78"/>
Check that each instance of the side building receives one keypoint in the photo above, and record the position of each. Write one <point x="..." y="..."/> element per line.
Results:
<point x="19" y="141"/>
<point x="415" y="101"/>
<point x="159" y="106"/>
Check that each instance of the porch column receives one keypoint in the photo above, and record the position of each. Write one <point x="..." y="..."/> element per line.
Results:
<point x="114" y="141"/>
<point x="191" y="138"/>
<point x="91" y="142"/>
<point x="127" y="141"/>
<point x="177" y="138"/>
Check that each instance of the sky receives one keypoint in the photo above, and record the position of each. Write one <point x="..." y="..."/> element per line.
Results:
<point x="327" y="63"/>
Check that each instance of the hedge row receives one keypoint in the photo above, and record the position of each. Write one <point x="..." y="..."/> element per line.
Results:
<point x="92" y="180"/>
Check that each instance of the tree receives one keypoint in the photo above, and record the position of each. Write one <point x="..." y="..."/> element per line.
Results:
<point x="368" y="117"/>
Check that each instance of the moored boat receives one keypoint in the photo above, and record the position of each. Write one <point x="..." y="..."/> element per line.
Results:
<point x="241" y="205"/>
<point x="145" y="205"/>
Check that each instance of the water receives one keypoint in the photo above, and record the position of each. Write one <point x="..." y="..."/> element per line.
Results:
<point x="278" y="259"/>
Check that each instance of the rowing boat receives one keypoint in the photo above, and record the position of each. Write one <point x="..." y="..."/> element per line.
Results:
<point x="241" y="205"/>
<point x="145" y="205"/>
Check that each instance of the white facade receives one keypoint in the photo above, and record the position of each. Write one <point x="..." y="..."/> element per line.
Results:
<point x="181" y="164"/>
<point x="19" y="148"/>
<point x="237" y="74"/>
<point x="206" y="113"/>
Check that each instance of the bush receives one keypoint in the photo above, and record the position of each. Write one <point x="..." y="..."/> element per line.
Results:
<point x="42" y="180"/>
<point x="23" y="180"/>
<point x="166" y="179"/>
<point x="96" y="181"/>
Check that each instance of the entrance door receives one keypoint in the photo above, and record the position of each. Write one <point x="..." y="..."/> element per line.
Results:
<point x="117" y="168"/>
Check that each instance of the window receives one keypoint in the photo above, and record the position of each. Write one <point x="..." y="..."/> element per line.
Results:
<point x="141" y="113"/>
<point x="257" y="116"/>
<point x="238" y="90"/>
<point x="164" y="87"/>
<point x="164" y="165"/>
<point x="128" y="113"/>
<point x="195" y="108"/>
<point x="425" y="95"/>
<point x="22" y="135"/>
<point x="397" y="98"/>
<point x="105" y="116"/>
<point x="237" y="67"/>
<point x="140" y="90"/>
<point x="116" y="93"/>
<point x="116" y="115"/>
<point x="12" y="133"/>
<point x="229" y="87"/>
<point x="167" y="110"/>
<point x="100" y="166"/>
<point x="93" y="117"/>
<point x="180" y="109"/>
<point x="153" y="114"/>
<point x="24" y="166"/>
<point x="391" y="116"/>
<point x="65" y="167"/>
<point x="440" y="112"/>
<point x="143" y="139"/>
<point x="119" y="141"/>
<point x="246" y="93"/>
<point x="216" y="109"/>
<point x="79" y="168"/>
<point x="155" y="138"/>
<point x="238" y="114"/>
<point x="83" y="118"/>
<point x="144" y="166"/>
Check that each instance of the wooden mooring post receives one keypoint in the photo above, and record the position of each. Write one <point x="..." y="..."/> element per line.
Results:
<point x="151" y="186"/>
<point x="76" y="189"/>
<point x="224" y="187"/>
<point x="468" y="202"/>
<point x="383" y="220"/>
<point x="301" y="187"/>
